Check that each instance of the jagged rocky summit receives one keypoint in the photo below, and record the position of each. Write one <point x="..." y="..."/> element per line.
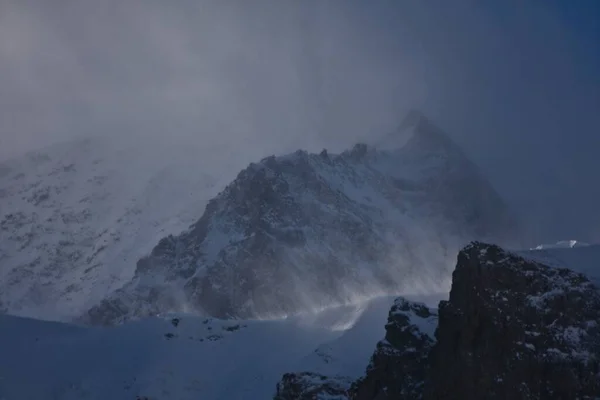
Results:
<point x="300" y="231"/>
<point x="513" y="328"/>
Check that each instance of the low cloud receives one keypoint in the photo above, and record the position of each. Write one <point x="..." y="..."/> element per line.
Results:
<point x="519" y="91"/>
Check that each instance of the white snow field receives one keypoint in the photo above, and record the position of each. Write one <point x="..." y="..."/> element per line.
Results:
<point x="184" y="357"/>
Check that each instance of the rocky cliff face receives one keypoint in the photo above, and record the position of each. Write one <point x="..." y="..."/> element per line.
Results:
<point x="398" y="367"/>
<point x="516" y="329"/>
<point x="513" y="328"/>
<point x="299" y="231"/>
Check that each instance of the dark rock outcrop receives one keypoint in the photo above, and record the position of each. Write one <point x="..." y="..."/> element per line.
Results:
<point x="310" y="386"/>
<point x="73" y="223"/>
<point x="398" y="367"/>
<point x="513" y="328"/>
<point x="516" y="329"/>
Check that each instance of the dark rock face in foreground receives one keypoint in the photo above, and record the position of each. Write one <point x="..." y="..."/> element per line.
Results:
<point x="398" y="367"/>
<point x="516" y="329"/>
<point x="512" y="328"/>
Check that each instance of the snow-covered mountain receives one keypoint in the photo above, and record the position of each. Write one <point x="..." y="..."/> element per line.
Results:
<point x="75" y="217"/>
<point x="584" y="259"/>
<point x="303" y="231"/>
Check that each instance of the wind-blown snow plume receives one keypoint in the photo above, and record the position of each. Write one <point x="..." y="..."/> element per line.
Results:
<point x="305" y="231"/>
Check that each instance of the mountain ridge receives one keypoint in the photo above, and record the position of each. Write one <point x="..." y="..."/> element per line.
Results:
<point x="186" y="357"/>
<point x="304" y="230"/>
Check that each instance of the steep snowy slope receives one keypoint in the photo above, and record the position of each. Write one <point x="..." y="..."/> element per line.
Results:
<point x="75" y="217"/>
<point x="303" y="231"/>
<point x="177" y="357"/>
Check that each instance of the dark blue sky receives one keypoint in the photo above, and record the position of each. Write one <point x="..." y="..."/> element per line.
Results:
<point x="516" y="83"/>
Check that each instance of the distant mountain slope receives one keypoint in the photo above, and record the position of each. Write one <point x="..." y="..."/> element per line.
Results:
<point x="75" y="217"/>
<point x="301" y="231"/>
<point x="581" y="258"/>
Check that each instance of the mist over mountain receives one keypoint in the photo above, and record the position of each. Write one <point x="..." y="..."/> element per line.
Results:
<point x="75" y="217"/>
<point x="305" y="231"/>
<point x="374" y="220"/>
<point x="226" y="199"/>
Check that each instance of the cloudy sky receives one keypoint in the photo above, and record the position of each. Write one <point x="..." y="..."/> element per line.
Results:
<point x="515" y="83"/>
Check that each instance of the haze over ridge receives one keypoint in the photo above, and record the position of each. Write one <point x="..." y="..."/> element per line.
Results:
<point x="517" y="91"/>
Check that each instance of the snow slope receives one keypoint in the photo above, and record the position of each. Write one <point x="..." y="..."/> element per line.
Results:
<point x="78" y="220"/>
<point x="181" y="357"/>
<point x="75" y="217"/>
<point x="584" y="259"/>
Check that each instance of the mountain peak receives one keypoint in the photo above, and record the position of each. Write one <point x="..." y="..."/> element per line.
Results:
<point x="417" y="131"/>
<point x="427" y="135"/>
<point x="412" y="119"/>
